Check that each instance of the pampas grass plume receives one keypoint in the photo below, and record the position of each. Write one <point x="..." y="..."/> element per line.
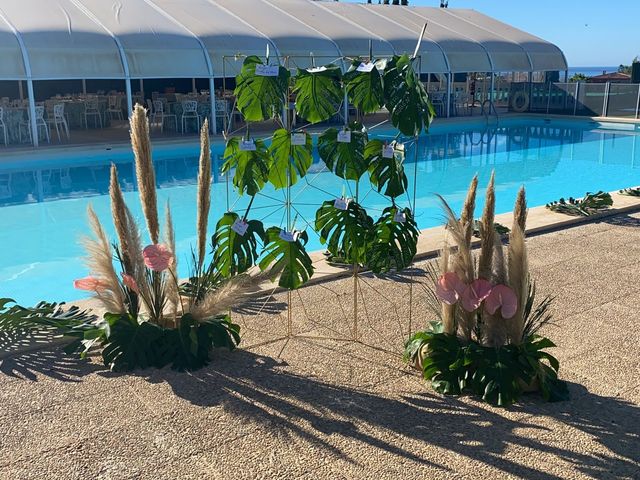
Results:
<point x="204" y="191"/>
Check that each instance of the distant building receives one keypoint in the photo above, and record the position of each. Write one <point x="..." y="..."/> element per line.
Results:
<point x="614" y="77"/>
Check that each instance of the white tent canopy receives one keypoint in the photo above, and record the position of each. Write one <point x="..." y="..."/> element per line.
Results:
<point x="81" y="39"/>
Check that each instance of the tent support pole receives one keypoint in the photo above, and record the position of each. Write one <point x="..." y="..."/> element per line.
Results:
<point x="449" y="78"/>
<point x="492" y="90"/>
<point x="142" y="88"/>
<point x="20" y="89"/>
<point x="127" y="84"/>
<point x="32" y="113"/>
<point x="84" y="86"/>
<point x="212" y="99"/>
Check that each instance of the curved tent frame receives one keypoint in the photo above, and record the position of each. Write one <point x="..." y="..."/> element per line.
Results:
<point x="138" y="39"/>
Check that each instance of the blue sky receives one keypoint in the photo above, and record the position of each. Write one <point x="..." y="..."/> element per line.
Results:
<point x="590" y="32"/>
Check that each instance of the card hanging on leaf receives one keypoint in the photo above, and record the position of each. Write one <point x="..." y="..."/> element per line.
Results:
<point x="365" y="67"/>
<point x="344" y="136"/>
<point x="387" y="151"/>
<point x="247" y="146"/>
<point x="240" y="227"/>
<point x="289" y="236"/>
<point x="267" y="70"/>
<point x="399" y="217"/>
<point x="342" y="203"/>
<point x="298" y="139"/>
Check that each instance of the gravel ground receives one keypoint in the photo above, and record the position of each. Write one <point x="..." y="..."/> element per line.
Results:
<point x="316" y="408"/>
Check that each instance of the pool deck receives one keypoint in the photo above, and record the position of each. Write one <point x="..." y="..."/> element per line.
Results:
<point x="316" y="409"/>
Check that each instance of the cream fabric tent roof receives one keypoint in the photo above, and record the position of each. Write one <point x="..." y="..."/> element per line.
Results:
<point x="67" y="39"/>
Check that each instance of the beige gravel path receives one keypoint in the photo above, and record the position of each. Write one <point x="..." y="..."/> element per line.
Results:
<point x="341" y="410"/>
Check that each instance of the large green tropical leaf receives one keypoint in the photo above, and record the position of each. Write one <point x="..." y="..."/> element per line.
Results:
<point x="130" y="344"/>
<point x="445" y="364"/>
<point x="287" y="258"/>
<point x="386" y="172"/>
<point x="192" y="341"/>
<point x="234" y="253"/>
<point x="497" y="375"/>
<point x="364" y="86"/>
<point x="288" y="162"/>
<point x="406" y="97"/>
<point x="318" y="92"/>
<point x="344" y="159"/>
<point x="260" y="97"/>
<point x="346" y="232"/>
<point x="251" y="167"/>
<point x="394" y="242"/>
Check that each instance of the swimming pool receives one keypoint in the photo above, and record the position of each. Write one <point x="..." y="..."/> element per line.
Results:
<point x="43" y="200"/>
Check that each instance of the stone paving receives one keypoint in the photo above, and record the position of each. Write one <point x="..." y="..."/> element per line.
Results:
<point x="333" y="409"/>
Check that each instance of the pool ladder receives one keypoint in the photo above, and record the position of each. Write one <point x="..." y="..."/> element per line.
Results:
<point x="487" y="109"/>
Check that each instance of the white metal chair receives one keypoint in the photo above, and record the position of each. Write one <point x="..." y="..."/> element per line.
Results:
<point x="59" y="120"/>
<point x="4" y="127"/>
<point x="113" y="108"/>
<point x="159" y="115"/>
<point x="190" y="112"/>
<point x="91" y="109"/>
<point x="40" y="123"/>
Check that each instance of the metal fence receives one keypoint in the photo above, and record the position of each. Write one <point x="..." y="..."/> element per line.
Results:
<point x="585" y="99"/>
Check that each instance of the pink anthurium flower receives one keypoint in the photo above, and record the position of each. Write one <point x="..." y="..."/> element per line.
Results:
<point x="157" y="257"/>
<point x="130" y="282"/>
<point x="475" y="294"/>
<point x="91" y="284"/>
<point x="449" y="287"/>
<point x="504" y="298"/>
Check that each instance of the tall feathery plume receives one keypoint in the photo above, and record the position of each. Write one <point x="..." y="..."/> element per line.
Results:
<point x="204" y="191"/>
<point x="100" y="263"/>
<point x="487" y="232"/>
<point x="520" y="210"/>
<point x="468" y="209"/>
<point x="172" y="292"/>
<point x="145" y="172"/>
<point x="462" y="263"/>
<point x="137" y="260"/>
<point x="448" y="311"/>
<point x="518" y="267"/>
<point x="120" y="220"/>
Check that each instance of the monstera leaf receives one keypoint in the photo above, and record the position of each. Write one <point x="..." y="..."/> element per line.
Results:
<point x="287" y="257"/>
<point x="395" y="240"/>
<point x="130" y="344"/>
<point x="344" y="159"/>
<point x="234" y="253"/>
<point x="192" y="341"/>
<point x="497" y="375"/>
<point x="406" y="97"/>
<point x="288" y="162"/>
<point x="346" y="232"/>
<point x="260" y="97"/>
<point x="318" y="93"/>
<point x="252" y="167"/>
<point x="445" y="363"/>
<point x="385" y="171"/>
<point x="364" y="86"/>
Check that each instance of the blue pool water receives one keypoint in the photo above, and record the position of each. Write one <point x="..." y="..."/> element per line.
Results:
<point x="43" y="200"/>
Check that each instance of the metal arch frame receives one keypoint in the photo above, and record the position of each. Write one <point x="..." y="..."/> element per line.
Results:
<point x="486" y="51"/>
<point x="350" y="22"/>
<point x="444" y="55"/>
<point x="252" y="27"/>
<point x="338" y="51"/>
<point x="123" y="56"/>
<point x="27" y="71"/>
<point x="205" y="52"/>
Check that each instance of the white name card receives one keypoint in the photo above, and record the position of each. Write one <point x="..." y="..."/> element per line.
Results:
<point x="267" y="70"/>
<point x="316" y="69"/>
<point x="288" y="236"/>
<point x="399" y="217"/>
<point x="342" y="203"/>
<point x="247" y="146"/>
<point x="344" y="136"/>
<point x="240" y="227"/>
<point x="387" y="151"/>
<point x="365" y="67"/>
<point x="298" y="139"/>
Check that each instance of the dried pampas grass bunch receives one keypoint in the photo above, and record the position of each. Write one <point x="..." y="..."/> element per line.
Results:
<point x="483" y="296"/>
